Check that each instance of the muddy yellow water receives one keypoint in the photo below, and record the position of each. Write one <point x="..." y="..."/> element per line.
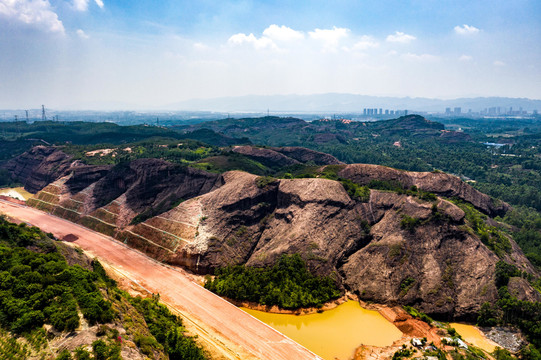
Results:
<point x="17" y="193"/>
<point x="334" y="333"/>
<point x="474" y="336"/>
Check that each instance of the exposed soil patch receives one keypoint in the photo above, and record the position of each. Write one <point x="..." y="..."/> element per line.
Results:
<point x="11" y="199"/>
<point x="70" y="238"/>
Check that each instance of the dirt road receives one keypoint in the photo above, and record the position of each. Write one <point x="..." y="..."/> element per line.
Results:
<point x="237" y="334"/>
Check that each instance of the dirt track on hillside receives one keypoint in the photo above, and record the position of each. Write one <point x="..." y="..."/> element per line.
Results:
<point x="234" y="333"/>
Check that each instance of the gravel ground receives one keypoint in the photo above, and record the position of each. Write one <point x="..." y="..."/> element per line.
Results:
<point x="507" y="338"/>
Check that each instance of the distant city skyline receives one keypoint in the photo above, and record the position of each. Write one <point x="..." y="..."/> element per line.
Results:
<point x="108" y="54"/>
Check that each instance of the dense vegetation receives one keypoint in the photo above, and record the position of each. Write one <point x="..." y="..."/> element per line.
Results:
<point x="166" y="329"/>
<point x="511" y="311"/>
<point x="37" y="287"/>
<point x="77" y="132"/>
<point x="491" y="236"/>
<point x="526" y="231"/>
<point x="287" y="284"/>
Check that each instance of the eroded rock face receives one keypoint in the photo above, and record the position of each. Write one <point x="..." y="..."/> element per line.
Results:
<point x="203" y="221"/>
<point x="521" y="289"/>
<point x="39" y="166"/>
<point x="437" y="266"/>
<point x="305" y="155"/>
<point x="436" y="182"/>
<point x="152" y="183"/>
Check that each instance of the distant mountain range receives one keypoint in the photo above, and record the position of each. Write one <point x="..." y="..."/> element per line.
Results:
<point x="347" y="103"/>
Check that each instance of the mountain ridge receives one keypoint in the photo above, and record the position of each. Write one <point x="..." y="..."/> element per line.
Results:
<point x="347" y="103"/>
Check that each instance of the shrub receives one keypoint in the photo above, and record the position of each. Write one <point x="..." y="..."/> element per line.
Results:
<point x="356" y="191"/>
<point x="64" y="355"/>
<point x="409" y="223"/>
<point x="418" y="314"/>
<point x="264" y="181"/>
<point x="147" y="344"/>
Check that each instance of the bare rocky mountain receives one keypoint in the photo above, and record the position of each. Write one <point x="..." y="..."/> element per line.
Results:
<point x="202" y="221"/>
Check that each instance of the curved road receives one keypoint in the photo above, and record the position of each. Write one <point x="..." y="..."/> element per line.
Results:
<point x="237" y="334"/>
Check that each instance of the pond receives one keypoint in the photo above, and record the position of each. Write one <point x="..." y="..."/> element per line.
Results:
<point x="334" y="333"/>
<point x="474" y="336"/>
<point x="17" y="193"/>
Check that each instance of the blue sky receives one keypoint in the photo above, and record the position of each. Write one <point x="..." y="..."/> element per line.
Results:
<point x="136" y="54"/>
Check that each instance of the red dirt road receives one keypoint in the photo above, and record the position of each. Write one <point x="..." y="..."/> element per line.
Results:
<point x="237" y="334"/>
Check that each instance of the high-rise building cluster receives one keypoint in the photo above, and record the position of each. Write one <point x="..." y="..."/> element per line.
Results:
<point x="455" y="111"/>
<point x="491" y="111"/>
<point x="380" y="111"/>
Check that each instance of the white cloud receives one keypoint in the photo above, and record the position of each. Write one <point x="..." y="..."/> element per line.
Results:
<point x="282" y="33"/>
<point x="200" y="46"/>
<point x="329" y="37"/>
<point x="82" y="34"/>
<point x="498" y="63"/>
<point x="400" y="37"/>
<point x="82" y="5"/>
<point x="258" y="43"/>
<point x="36" y="13"/>
<point x="420" y="57"/>
<point x="366" y="42"/>
<point x="466" y="30"/>
<point x="465" y="58"/>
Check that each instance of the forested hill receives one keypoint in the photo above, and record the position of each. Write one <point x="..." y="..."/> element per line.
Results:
<point x="276" y="131"/>
<point x="17" y="137"/>
<point x="511" y="172"/>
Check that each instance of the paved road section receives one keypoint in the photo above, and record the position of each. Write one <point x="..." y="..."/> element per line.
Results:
<point x="243" y="336"/>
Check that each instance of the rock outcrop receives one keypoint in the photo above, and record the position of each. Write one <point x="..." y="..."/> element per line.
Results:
<point x="265" y="156"/>
<point x="305" y="155"/>
<point x="436" y="182"/>
<point x="279" y="157"/>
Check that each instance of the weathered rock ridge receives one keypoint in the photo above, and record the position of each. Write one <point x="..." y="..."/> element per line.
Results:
<point x="286" y="156"/>
<point x="437" y="182"/>
<point x="202" y="221"/>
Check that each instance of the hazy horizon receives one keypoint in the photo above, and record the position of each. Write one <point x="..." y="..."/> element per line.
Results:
<point x="82" y="54"/>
